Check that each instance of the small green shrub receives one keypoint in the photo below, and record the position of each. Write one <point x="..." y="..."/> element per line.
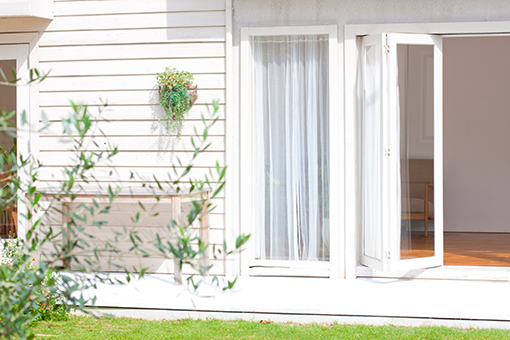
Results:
<point x="176" y="97"/>
<point x="52" y="308"/>
<point x="47" y="303"/>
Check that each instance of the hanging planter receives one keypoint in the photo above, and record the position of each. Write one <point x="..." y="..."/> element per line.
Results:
<point x="176" y="95"/>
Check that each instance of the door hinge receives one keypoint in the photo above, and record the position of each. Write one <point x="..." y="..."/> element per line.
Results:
<point x="386" y="259"/>
<point x="386" y="152"/>
<point x="386" y="47"/>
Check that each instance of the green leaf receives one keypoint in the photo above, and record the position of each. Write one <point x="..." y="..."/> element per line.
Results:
<point x="143" y="271"/>
<point x="45" y="121"/>
<point x="230" y="284"/>
<point x="70" y="183"/>
<point x="110" y="194"/>
<point x="37" y="198"/>
<point x="217" y="191"/>
<point x="23" y="117"/>
<point x="241" y="240"/>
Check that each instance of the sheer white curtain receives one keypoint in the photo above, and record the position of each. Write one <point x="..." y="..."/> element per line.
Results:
<point x="291" y="150"/>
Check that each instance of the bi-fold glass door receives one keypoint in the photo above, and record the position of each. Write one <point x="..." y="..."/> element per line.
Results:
<point x="400" y="103"/>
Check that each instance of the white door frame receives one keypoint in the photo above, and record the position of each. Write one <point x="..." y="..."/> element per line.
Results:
<point x="248" y="266"/>
<point x="19" y="53"/>
<point x="28" y="52"/>
<point x="352" y="34"/>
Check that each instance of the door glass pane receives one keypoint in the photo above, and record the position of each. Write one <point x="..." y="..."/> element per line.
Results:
<point x="416" y="118"/>
<point x="371" y="161"/>
<point x="291" y="147"/>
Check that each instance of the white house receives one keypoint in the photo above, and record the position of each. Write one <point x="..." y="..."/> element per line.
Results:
<point x="367" y="144"/>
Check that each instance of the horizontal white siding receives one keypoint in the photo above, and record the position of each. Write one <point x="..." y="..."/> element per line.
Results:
<point x="138" y="66"/>
<point x="133" y="112"/>
<point x="148" y="20"/>
<point x="111" y="50"/>
<point x="143" y="128"/>
<point x="133" y="51"/>
<point x="128" y="143"/>
<point x="106" y="7"/>
<point x="131" y="158"/>
<point x="124" y="173"/>
<point x="136" y="97"/>
<point x="177" y="34"/>
<point x="121" y="82"/>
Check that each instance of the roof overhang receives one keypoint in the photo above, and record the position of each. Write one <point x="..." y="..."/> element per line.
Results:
<point x="42" y="9"/>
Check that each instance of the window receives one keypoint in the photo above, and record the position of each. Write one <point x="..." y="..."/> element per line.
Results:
<point x="291" y="147"/>
<point x="288" y="77"/>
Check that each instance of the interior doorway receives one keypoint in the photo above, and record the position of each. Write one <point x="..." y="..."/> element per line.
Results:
<point x="476" y="163"/>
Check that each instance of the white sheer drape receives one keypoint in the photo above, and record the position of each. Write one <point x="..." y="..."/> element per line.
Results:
<point x="291" y="150"/>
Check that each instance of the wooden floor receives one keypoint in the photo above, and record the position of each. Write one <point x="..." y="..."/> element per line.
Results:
<point x="463" y="249"/>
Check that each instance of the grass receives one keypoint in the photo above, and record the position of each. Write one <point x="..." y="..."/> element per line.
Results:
<point x="80" y="327"/>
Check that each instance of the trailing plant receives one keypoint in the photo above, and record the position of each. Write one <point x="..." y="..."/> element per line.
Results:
<point x="176" y="96"/>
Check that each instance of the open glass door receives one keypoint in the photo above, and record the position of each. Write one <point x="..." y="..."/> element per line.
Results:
<point x="401" y="151"/>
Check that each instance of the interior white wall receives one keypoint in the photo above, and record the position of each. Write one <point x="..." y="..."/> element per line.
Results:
<point x="476" y="134"/>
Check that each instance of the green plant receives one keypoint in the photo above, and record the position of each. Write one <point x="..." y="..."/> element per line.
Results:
<point x="176" y="97"/>
<point x="188" y="248"/>
<point x="52" y="306"/>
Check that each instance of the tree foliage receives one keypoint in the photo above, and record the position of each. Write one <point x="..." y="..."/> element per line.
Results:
<point x="64" y="255"/>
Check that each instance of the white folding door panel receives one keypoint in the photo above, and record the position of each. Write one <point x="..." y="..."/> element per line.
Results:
<point x="374" y="139"/>
<point x="401" y="151"/>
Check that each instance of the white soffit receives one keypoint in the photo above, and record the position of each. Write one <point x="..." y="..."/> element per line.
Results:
<point x="26" y="8"/>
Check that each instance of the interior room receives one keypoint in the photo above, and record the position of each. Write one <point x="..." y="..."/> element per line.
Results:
<point x="476" y="156"/>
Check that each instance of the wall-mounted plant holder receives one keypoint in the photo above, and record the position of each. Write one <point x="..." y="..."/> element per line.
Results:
<point x="177" y="94"/>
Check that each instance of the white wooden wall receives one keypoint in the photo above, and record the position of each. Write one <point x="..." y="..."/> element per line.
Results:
<point x="111" y="50"/>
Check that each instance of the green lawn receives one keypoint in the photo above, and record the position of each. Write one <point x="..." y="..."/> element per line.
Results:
<point x="124" y="328"/>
